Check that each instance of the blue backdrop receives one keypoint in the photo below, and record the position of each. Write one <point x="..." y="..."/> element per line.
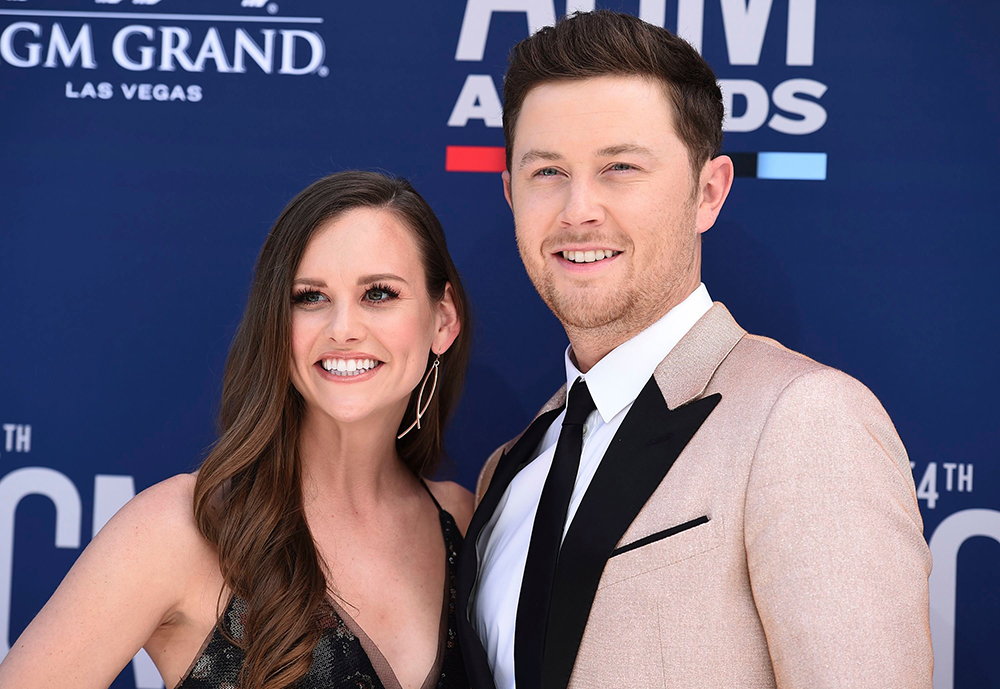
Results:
<point x="147" y="146"/>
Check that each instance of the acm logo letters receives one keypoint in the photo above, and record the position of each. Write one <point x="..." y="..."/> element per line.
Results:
<point x="744" y="26"/>
<point x="945" y="544"/>
<point x="110" y="494"/>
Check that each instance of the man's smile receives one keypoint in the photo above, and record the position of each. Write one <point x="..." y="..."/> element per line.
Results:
<point x="589" y="256"/>
<point x="585" y="260"/>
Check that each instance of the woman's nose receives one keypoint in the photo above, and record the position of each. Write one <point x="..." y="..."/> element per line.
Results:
<point x="345" y="324"/>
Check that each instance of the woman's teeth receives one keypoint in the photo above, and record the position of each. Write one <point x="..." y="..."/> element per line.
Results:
<point x="349" y="367"/>
<point x="589" y="256"/>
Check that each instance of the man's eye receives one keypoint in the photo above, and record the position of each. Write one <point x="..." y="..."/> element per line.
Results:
<point x="622" y="166"/>
<point x="547" y="172"/>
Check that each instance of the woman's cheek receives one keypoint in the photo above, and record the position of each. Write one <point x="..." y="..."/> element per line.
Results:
<point x="305" y="331"/>
<point x="402" y="331"/>
<point x="408" y="339"/>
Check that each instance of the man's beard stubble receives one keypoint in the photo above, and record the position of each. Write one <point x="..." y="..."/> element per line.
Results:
<point x="589" y="310"/>
<point x="640" y="302"/>
<point x="586" y="311"/>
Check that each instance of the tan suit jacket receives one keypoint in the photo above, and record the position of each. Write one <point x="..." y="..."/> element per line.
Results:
<point x="779" y="545"/>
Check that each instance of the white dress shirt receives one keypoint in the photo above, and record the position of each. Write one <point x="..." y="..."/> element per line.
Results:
<point x="614" y="382"/>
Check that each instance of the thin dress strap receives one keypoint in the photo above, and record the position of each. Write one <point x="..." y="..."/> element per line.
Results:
<point x="436" y="503"/>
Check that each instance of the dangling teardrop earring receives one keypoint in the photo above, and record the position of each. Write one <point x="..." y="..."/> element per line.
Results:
<point x="422" y="406"/>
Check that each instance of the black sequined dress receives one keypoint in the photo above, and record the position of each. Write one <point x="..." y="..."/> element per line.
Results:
<point x="345" y="657"/>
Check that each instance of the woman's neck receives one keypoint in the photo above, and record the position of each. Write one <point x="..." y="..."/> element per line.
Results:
<point x="356" y="461"/>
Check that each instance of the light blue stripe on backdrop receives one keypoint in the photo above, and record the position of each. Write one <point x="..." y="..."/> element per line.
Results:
<point x="773" y="165"/>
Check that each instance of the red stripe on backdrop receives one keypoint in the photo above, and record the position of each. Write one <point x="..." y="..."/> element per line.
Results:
<point x="475" y="159"/>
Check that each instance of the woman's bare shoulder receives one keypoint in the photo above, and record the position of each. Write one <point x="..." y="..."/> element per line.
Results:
<point x="160" y="520"/>
<point x="168" y="504"/>
<point x="156" y="534"/>
<point x="137" y="573"/>
<point x="455" y="499"/>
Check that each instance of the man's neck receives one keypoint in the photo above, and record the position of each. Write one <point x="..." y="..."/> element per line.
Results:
<point x="590" y="345"/>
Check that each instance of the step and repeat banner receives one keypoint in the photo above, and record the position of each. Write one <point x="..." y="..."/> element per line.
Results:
<point x="146" y="146"/>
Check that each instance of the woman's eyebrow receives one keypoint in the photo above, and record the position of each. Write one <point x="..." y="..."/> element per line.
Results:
<point x="312" y="282"/>
<point x="378" y="277"/>
<point x="364" y="279"/>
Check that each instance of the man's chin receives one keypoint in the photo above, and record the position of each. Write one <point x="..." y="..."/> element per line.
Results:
<point x="588" y="314"/>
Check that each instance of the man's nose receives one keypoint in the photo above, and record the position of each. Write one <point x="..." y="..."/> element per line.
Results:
<point x="584" y="206"/>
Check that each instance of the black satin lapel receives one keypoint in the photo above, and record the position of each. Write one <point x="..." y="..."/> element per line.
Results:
<point x="507" y="467"/>
<point x="477" y="664"/>
<point x="647" y="443"/>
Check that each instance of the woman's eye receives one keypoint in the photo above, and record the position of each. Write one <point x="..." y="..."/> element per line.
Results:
<point x="379" y="294"/>
<point x="310" y="297"/>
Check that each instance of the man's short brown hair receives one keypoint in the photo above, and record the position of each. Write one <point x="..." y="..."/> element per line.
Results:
<point x="604" y="43"/>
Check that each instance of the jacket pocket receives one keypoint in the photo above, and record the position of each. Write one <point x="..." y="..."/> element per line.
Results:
<point x="663" y="549"/>
<point x="660" y="535"/>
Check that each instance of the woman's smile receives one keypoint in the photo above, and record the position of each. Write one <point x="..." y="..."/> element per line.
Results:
<point x="349" y="368"/>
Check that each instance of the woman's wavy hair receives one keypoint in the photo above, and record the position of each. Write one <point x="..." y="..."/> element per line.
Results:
<point x="248" y="498"/>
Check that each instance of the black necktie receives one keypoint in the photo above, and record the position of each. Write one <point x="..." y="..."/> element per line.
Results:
<point x="546" y="539"/>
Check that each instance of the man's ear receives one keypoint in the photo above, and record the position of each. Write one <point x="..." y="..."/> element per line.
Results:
<point x="715" y="181"/>
<point x="506" y="188"/>
<point x="447" y="321"/>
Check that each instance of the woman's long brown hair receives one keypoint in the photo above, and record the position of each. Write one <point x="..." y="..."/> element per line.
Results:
<point x="248" y="497"/>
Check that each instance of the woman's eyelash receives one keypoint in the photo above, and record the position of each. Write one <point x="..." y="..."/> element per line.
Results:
<point x="312" y="296"/>
<point x="301" y="295"/>
<point x="389" y="292"/>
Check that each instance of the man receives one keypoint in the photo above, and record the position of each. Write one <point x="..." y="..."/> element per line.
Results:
<point x="708" y="508"/>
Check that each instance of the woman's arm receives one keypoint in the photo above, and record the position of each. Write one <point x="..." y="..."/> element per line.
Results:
<point x="129" y="580"/>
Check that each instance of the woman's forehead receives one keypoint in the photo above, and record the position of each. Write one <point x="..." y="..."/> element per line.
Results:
<point x="363" y="241"/>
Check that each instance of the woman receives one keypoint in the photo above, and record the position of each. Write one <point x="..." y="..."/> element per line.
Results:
<point x="308" y="526"/>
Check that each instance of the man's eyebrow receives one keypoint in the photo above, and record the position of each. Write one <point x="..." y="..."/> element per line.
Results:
<point x="611" y="151"/>
<point x="379" y="277"/>
<point x="536" y="154"/>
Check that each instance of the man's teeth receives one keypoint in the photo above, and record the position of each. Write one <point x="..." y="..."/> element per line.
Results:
<point x="349" y="367"/>
<point x="589" y="256"/>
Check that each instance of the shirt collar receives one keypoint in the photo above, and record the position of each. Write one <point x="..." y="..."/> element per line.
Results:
<point x="617" y="379"/>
